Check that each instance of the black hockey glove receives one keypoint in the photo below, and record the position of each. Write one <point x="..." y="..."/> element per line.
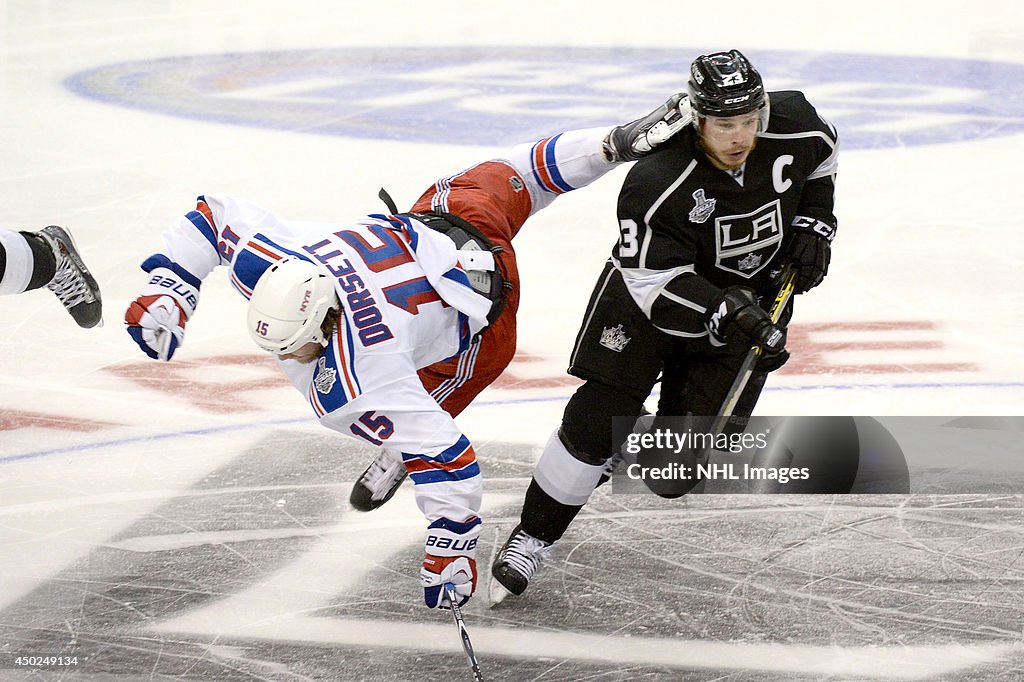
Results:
<point x="771" y="361"/>
<point x="735" y="317"/>
<point x="810" y="253"/>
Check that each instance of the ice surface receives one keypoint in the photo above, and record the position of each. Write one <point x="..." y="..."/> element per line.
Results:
<point x="190" y="520"/>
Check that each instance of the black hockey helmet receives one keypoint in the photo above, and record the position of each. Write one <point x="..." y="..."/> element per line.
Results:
<point x="725" y="84"/>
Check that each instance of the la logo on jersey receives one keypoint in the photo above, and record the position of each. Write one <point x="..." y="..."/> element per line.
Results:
<point x="746" y="243"/>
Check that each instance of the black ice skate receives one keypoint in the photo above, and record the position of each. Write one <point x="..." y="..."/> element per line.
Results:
<point x="516" y="563"/>
<point x="378" y="483"/>
<point x="72" y="282"/>
<point x="631" y="141"/>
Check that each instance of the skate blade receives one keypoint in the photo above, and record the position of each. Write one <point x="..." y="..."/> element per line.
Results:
<point x="497" y="592"/>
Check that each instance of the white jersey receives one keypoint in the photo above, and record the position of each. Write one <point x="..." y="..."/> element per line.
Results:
<point x="406" y="303"/>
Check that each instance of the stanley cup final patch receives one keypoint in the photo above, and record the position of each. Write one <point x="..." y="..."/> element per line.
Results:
<point x="325" y="376"/>
<point x="703" y="207"/>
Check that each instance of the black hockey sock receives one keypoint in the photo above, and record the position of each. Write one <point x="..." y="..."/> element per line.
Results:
<point x="44" y="263"/>
<point x="544" y="517"/>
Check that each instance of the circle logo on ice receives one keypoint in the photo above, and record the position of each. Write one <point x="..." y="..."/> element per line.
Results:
<point x="498" y="96"/>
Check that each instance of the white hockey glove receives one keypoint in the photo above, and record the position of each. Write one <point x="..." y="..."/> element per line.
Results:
<point x="156" y="319"/>
<point x="450" y="551"/>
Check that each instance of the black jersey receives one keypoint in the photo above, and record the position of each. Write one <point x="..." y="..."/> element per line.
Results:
<point x="689" y="229"/>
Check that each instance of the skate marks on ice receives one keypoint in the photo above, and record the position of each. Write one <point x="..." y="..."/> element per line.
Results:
<point x="876" y="581"/>
<point x="261" y="571"/>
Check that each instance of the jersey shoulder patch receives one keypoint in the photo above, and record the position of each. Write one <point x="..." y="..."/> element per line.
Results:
<point x="335" y="381"/>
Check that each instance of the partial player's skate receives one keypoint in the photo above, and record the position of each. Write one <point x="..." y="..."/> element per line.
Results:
<point x="516" y="562"/>
<point x="72" y="283"/>
<point x="379" y="482"/>
<point x="631" y="141"/>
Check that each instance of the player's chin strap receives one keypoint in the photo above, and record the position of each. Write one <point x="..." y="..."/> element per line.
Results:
<point x="479" y="257"/>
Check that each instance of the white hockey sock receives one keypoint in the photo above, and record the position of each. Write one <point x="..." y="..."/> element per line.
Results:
<point x="560" y="163"/>
<point x="17" y="273"/>
<point x="562" y="476"/>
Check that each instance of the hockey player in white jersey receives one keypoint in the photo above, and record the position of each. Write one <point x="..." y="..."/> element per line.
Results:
<point x="389" y="325"/>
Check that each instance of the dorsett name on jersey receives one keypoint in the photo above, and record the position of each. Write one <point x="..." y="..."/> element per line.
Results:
<point x="365" y="313"/>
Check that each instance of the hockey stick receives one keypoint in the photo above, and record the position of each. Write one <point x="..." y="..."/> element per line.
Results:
<point x="460" y="623"/>
<point x="747" y="367"/>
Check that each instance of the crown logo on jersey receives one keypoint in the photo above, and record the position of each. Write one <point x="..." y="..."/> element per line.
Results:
<point x="750" y="262"/>
<point x="325" y="376"/>
<point x="614" y="338"/>
<point x="703" y="207"/>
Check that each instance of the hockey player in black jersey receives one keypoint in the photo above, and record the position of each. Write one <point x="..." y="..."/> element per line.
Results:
<point x="706" y="222"/>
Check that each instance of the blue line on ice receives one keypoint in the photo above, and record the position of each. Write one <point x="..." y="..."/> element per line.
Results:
<point x="82" y="447"/>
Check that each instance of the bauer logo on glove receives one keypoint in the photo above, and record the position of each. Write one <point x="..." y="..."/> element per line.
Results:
<point x="454" y="544"/>
<point x="450" y="550"/>
<point x="184" y="291"/>
<point x="156" y="319"/>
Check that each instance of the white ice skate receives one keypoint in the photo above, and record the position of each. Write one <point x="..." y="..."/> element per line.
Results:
<point x="631" y="141"/>
<point x="379" y="482"/>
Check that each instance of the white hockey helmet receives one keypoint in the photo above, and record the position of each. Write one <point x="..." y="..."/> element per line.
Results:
<point x="288" y="306"/>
